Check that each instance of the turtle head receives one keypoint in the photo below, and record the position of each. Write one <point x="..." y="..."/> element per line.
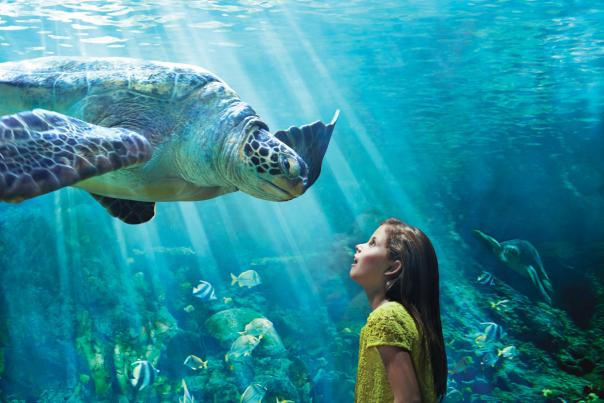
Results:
<point x="268" y="168"/>
<point x="510" y="253"/>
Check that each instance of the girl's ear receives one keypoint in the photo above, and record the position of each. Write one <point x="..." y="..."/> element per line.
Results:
<point x="395" y="269"/>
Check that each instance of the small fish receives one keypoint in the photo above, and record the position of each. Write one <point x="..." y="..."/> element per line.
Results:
<point x="492" y="332"/>
<point x="500" y="305"/>
<point x="189" y="308"/>
<point x="249" y="279"/>
<point x="204" y="291"/>
<point x="161" y="327"/>
<point x="143" y="374"/>
<point x="283" y="401"/>
<point x="454" y="394"/>
<point x="186" y="398"/>
<point x="242" y="346"/>
<point x="507" y="352"/>
<point x="195" y="363"/>
<point x="461" y="365"/>
<point x="227" y="300"/>
<point x="258" y="327"/>
<point x="547" y="392"/>
<point x="253" y="394"/>
<point x="489" y="359"/>
<point x="347" y="330"/>
<point x="486" y="278"/>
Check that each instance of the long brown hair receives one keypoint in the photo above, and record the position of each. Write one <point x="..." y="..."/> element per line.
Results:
<point x="417" y="289"/>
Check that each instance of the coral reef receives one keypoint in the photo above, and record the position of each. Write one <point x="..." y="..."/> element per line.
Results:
<point x="84" y="328"/>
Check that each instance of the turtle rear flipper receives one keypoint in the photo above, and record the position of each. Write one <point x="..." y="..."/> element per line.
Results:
<point x="129" y="211"/>
<point x="310" y="143"/>
<point x="532" y="272"/>
<point x="42" y="151"/>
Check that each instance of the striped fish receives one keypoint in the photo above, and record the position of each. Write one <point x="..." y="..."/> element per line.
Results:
<point x="186" y="398"/>
<point x="493" y="332"/>
<point x="486" y="278"/>
<point x="143" y="374"/>
<point x="253" y="394"/>
<point x="204" y="291"/>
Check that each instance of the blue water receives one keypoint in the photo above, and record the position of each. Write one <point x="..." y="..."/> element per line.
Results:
<point x="454" y="116"/>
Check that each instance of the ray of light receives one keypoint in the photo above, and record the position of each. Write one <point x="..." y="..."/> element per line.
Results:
<point x="207" y="262"/>
<point x="361" y="132"/>
<point x="64" y="279"/>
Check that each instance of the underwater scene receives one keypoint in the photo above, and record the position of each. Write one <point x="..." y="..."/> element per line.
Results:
<point x="480" y="122"/>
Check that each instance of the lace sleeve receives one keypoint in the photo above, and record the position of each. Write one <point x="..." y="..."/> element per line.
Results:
<point x="390" y="331"/>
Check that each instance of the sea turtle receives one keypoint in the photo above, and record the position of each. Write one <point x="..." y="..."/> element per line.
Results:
<point x="134" y="132"/>
<point x="522" y="257"/>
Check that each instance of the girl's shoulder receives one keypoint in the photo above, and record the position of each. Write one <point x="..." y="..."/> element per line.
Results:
<point x="391" y="324"/>
<point x="392" y="310"/>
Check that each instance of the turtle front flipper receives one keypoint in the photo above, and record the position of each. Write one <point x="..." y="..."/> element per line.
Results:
<point x="129" y="211"/>
<point x="42" y="151"/>
<point x="492" y="242"/>
<point x="310" y="143"/>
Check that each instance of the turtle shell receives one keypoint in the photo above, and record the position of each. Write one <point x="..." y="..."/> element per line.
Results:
<point x="61" y="81"/>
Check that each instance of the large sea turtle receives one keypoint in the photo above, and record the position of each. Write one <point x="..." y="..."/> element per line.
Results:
<point x="522" y="257"/>
<point x="134" y="132"/>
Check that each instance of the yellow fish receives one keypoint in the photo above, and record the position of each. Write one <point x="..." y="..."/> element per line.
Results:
<point x="507" y="352"/>
<point x="195" y="362"/>
<point x="500" y="305"/>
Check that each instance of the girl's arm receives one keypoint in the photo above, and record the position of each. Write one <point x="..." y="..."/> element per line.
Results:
<point x="401" y="374"/>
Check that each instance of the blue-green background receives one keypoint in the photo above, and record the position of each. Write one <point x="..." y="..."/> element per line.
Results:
<point x="455" y="115"/>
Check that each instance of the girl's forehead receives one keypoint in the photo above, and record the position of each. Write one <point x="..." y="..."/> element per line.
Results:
<point x="380" y="233"/>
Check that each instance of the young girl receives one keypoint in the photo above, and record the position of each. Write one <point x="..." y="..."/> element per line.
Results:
<point x="401" y="355"/>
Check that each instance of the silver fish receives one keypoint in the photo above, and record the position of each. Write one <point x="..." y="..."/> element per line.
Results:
<point x="258" y="327"/>
<point x="242" y="346"/>
<point x="489" y="359"/>
<point x="249" y="279"/>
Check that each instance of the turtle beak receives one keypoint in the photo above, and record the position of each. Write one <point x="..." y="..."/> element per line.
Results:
<point x="288" y="189"/>
<point x="294" y="189"/>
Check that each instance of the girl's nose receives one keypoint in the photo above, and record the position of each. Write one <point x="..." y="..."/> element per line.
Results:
<point x="357" y="248"/>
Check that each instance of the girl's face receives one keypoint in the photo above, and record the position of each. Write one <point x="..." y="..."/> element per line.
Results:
<point x="371" y="261"/>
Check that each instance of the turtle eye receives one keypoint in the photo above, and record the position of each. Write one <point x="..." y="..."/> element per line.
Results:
<point x="290" y="166"/>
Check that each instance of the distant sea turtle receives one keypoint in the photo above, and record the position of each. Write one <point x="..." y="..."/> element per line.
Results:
<point x="522" y="257"/>
<point x="134" y="132"/>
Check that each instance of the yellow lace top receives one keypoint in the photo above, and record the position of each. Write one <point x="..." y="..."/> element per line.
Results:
<point x="390" y="325"/>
